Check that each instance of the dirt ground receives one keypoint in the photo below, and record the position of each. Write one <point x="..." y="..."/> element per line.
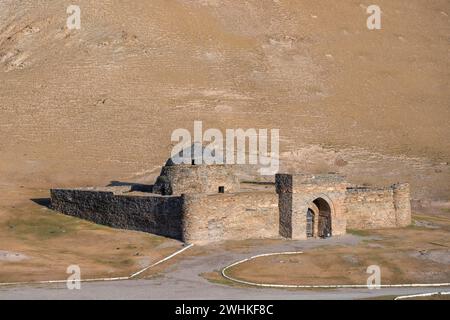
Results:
<point x="37" y="243"/>
<point x="86" y="107"/>
<point x="98" y="104"/>
<point x="417" y="254"/>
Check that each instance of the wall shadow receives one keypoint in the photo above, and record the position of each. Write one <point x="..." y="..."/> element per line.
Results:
<point x="44" y="202"/>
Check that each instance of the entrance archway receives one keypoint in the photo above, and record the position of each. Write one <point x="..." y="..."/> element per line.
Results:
<point x="324" y="229"/>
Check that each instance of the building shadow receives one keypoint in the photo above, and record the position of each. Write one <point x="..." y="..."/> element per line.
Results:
<point x="44" y="202"/>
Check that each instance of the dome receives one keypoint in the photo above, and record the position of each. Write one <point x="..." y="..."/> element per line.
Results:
<point x="193" y="154"/>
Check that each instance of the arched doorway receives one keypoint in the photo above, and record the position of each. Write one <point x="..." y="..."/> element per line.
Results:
<point x="324" y="229"/>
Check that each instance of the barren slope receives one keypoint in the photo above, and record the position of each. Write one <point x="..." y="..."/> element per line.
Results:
<point x="100" y="103"/>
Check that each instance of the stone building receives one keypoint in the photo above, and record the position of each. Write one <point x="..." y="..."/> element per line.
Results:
<point x="200" y="203"/>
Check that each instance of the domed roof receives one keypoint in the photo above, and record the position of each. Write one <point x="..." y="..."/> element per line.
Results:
<point x="190" y="155"/>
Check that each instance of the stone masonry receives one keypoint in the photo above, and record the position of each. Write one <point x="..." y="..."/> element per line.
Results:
<point x="199" y="203"/>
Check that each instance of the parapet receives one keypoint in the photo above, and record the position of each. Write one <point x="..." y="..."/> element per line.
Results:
<point x="299" y="183"/>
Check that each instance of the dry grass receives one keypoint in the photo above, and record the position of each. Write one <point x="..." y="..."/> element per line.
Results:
<point x="52" y="241"/>
<point x="434" y="297"/>
<point x="217" y="278"/>
<point x="410" y="255"/>
<point x="391" y="297"/>
<point x="98" y="104"/>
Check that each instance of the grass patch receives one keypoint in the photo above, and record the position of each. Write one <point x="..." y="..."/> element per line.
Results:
<point x="217" y="278"/>
<point x="42" y="227"/>
<point x="414" y="227"/>
<point x="361" y="233"/>
<point x="120" y="262"/>
<point x="429" y="218"/>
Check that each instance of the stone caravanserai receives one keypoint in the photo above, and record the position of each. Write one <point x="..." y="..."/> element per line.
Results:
<point x="198" y="203"/>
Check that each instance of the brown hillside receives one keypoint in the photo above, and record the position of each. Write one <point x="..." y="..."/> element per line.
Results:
<point x="97" y="104"/>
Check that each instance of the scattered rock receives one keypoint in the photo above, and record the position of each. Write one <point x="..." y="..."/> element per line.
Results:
<point x="351" y="259"/>
<point x="439" y="256"/>
<point x="12" y="256"/>
<point x="30" y="30"/>
<point x="425" y="224"/>
<point x="101" y="101"/>
<point x="340" y="162"/>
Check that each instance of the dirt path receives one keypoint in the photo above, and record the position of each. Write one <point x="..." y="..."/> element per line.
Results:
<point x="183" y="281"/>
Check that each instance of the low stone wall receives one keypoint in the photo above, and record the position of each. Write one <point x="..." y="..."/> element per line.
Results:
<point x="154" y="214"/>
<point x="372" y="208"/>
<point x="238" y="216"/>
<point x="196" y="218"/>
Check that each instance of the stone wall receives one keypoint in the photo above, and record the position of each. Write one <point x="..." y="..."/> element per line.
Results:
<point x="155" y="214"/>
<point x="372" y="208"/>
<point x="285" y="214"/>
<point x="297" y="193"/>
<point x="243" y="215"/>
<point x="183" y="178"/>
<point x="402" y="204"/>
<point x="198" y="218"/>
<point x="250" y="214"/>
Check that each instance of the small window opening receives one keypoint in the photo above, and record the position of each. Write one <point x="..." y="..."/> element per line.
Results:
<point x="221" y="189"/>
<point x="193" y="162"/>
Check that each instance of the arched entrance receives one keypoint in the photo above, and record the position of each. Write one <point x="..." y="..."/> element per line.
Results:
<point x="323" y="214"/>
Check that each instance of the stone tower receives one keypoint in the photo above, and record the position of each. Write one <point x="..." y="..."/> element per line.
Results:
<point x="311" y="205"/>
<point x="195" y="176"/>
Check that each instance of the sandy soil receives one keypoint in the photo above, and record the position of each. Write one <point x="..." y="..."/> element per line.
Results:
<point x="186" y="276"/>
<point x="418" y="254"/>
<point x="11" y="256"/>
<point x="38" y="244"/>
<point x="99" y="104"/>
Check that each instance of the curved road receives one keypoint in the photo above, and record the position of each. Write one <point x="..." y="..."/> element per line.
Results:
<point x="182" y="281"/>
